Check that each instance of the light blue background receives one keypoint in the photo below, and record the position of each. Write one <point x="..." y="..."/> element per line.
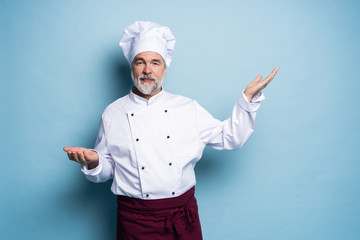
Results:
<point x="296" y="178"/>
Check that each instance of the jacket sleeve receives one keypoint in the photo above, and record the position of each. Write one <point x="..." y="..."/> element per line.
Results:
<point x="105" y="170"/>
<point x="233" y="132"/>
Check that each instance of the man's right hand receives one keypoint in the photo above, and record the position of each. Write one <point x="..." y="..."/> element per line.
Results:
<point x="83" y="156"/>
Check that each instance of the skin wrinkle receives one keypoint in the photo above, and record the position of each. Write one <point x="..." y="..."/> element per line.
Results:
<point x="148" y="71"/>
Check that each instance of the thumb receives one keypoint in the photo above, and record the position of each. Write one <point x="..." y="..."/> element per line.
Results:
<point x="89" y="153"/>
<point x="256" y="81"/>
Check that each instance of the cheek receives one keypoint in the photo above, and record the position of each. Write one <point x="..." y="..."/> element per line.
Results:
<point x="160" y="74"/>
<point x="136" y="73"/>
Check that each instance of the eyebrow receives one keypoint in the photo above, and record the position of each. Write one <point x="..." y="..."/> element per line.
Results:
<point x="137" y="59"/>
<point x="142" y="59"/>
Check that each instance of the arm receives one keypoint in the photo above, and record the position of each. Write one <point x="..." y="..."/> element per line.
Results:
<point x="235" y="131"/>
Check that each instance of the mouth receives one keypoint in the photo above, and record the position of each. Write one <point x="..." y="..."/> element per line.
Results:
<point x="146" y="79"/>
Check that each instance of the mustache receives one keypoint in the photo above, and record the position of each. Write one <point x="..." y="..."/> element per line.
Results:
<point x="148" y="77"/>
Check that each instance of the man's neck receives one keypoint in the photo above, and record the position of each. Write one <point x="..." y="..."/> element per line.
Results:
<point x="146" y="96"/>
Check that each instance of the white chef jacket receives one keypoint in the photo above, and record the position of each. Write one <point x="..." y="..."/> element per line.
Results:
<point x="150" y="147"/>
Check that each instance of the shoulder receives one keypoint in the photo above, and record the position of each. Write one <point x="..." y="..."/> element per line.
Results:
<point x="116" y="107"/>
<point x="179" y="99"/>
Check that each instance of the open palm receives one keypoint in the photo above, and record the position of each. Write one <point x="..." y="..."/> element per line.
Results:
<point x="257" y="85"/>
<point x="83" y="156"/>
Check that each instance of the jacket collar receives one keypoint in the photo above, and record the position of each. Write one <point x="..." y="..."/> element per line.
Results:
<point x="143" y="101"/>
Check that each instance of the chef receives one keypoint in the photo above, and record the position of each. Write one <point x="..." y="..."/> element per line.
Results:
<point x="150" y="140"/>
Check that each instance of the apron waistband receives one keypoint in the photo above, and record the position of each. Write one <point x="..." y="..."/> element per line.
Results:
<point x="143" y="206"/>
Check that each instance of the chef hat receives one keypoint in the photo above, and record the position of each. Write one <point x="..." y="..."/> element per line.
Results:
<point x="147" y="36"/>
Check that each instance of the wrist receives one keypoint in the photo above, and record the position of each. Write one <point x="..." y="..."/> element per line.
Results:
<point x="92" y="165"/>
<point x="248" y="97"/>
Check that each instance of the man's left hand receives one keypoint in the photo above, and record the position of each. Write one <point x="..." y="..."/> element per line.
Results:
<point x="257" y="85"/>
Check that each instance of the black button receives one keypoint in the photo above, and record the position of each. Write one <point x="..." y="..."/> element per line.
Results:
<point x="173" y="193"/>
<point x="168" y="137"/>
<point x="132" y="114"/>
<point x="166" y="111"/>
<point x="137" y="139"/>
<point x="170" y="164"/>
<point x="147" y="195"/>
<point x="142" y="168"/>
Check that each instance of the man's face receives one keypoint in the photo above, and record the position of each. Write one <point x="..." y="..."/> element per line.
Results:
<point x="148" y="72"/>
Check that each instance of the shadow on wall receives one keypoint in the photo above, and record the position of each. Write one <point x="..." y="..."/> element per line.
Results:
<point x="95" y="200"/>
<point x="95" y="203"/>
<point x="118" y="75"/>
<point x="217" y="167"/>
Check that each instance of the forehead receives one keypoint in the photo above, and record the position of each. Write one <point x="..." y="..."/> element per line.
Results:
<point x="149" y="56"/>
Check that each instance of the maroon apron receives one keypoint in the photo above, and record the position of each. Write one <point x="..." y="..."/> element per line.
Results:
<point x="174" y="218"/>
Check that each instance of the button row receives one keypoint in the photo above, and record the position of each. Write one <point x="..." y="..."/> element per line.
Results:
<point x="132" y="114"/>
<point x="139" y="139"/>
<point x="143" y="168"/>
<point x="147" y="195"/>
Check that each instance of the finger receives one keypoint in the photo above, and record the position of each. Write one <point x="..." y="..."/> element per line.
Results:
<point x="81" y="157"/>
<point x="74" y="156"/>
<point x="69" y="156"/>
<point x="268" y="79"/>
<point x="255" y="81"/>
<point x="264" y="83"/>
<point x="67" y="149"/>
<point x="274" y="72"/>
<point x="73" y="149"/>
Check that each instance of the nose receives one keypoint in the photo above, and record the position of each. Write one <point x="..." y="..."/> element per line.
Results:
<point x="147" y="69"/>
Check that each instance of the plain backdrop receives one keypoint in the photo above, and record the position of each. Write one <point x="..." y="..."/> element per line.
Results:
<point x="296" y="178"/>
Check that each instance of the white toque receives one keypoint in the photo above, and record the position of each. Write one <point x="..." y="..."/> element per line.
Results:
<point x="147" y="36"/>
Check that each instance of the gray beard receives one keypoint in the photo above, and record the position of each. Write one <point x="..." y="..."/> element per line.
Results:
<point x="147" y="88"/>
